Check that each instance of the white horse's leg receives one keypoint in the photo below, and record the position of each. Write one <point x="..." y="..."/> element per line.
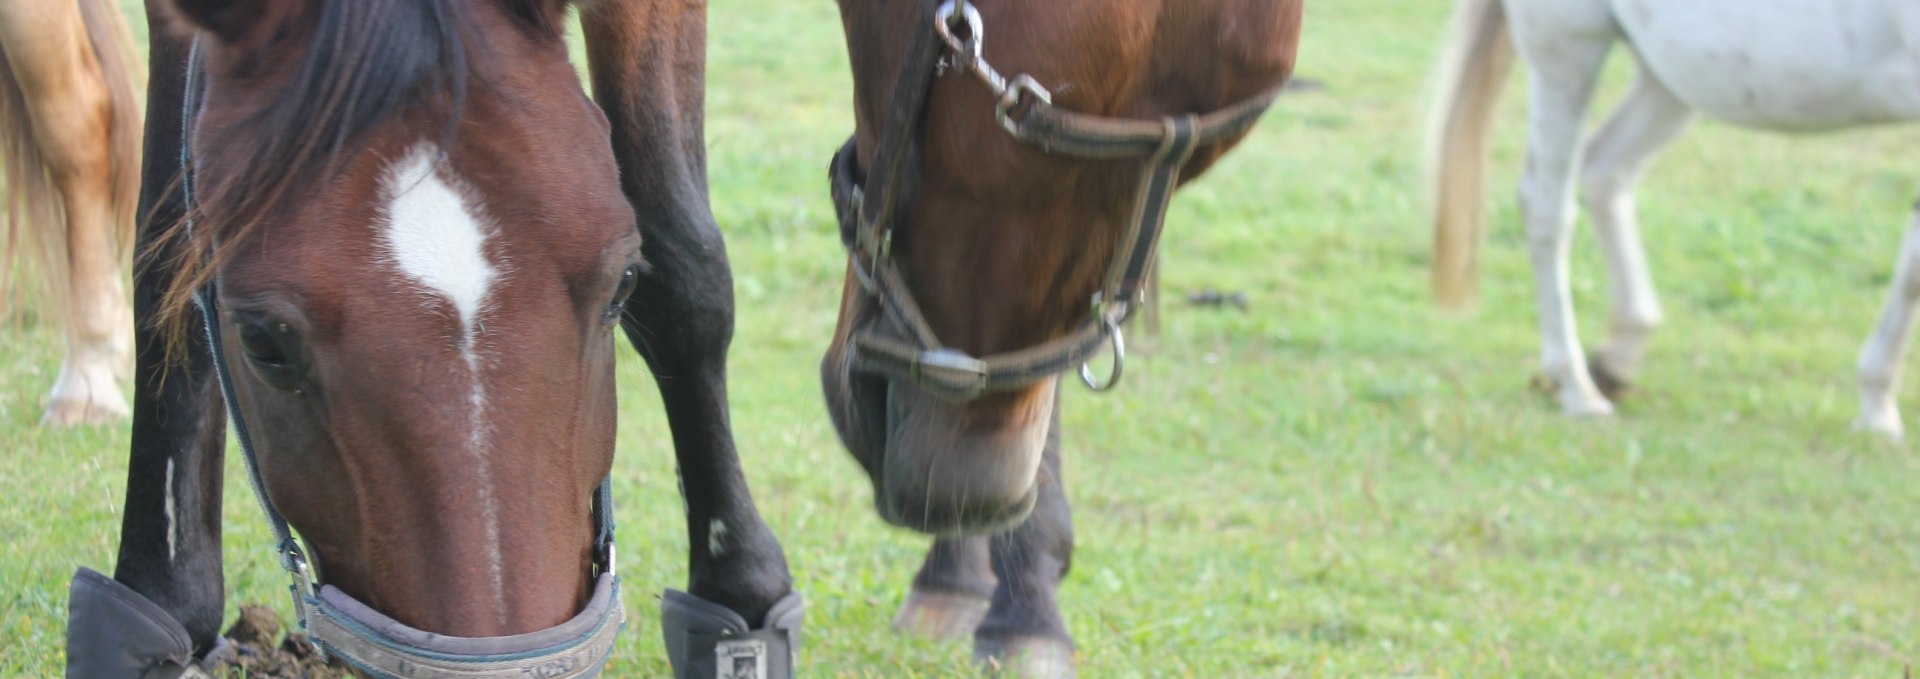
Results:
<point x="1564" y="45"/>
<point x="1645" y="123"/>
<point x="1881" y="358"/>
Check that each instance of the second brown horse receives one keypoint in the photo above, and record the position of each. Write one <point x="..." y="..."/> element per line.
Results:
<point x="1013" y="243"/>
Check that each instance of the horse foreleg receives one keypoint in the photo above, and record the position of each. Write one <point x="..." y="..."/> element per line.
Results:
<point x="67" y="99"/>
<point x="681" y="320"/>
<point x="1886" y="348"/>
<point x="163" y="606"/>
<point x="647" y="60"/>
<point x="1647" y="121"/>
<point x="1024" y="634"/>
<point x="1563" y="66"/>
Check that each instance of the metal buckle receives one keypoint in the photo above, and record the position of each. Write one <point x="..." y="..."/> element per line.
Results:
<point x="953" y="362"/>
<point x="295" y="563"/>
<point x="969" y="55"/>
<point x="1023" y="88"/>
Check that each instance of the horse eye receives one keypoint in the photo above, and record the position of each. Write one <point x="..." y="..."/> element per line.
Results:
<point x="629" y="281"/>
<point x="273" y="350"/>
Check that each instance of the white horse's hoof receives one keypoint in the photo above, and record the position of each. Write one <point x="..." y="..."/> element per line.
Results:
<point x="1574" y="401"/>
<point x="1597" y="408"/>
<point x="1882" y="426"/>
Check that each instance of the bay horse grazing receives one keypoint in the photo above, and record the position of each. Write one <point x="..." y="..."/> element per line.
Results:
<point x="406" y="238"/>
<point x="999" y="231"/>
<point x="69" y="177"/>
<point x="1791" y="66"/>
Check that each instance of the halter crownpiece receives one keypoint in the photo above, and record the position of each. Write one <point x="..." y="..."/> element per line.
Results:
<point x="1024" y="108"/>
<point x="343" y="627"/>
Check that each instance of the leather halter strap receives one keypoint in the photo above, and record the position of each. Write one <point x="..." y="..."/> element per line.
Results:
<point x="868" y="218"/>
<point x="352" y="631"/>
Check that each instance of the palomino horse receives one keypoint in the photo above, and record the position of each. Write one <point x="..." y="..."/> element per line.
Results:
<point x="986" y="218"/>
<point x="70" y="147"/>
<point x="407" y="239"/>
<point x="1793" y="65"/>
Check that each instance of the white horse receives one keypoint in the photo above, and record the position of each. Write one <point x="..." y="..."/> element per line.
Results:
<point x="1788" y="65"/>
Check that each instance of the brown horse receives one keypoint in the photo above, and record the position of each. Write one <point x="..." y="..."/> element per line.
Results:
<point x="406" y="240"/>
<point x="70" y="147"/>
<point x="1024" y="240"/>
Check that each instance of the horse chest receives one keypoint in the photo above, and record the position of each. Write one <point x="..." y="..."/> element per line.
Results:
<point x="1796" y="65"/>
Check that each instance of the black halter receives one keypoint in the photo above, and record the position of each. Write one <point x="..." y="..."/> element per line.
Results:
<point x="1025" y="109"/>
<point x="354" y="632"/>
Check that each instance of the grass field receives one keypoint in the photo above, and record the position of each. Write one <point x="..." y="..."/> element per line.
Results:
<point x="1339" y="481"/>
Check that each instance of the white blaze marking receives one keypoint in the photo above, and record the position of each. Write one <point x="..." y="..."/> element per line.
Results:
<point x="173" y="523"/>
<point x="437" y="237"/>
<point x="717" y="538"/>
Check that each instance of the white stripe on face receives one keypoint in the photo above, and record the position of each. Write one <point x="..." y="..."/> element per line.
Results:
<point x="437" y="237"/>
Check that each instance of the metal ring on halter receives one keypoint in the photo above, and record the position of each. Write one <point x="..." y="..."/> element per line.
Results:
<point x="949" y="16"/>
<point x="1119" y="360"/>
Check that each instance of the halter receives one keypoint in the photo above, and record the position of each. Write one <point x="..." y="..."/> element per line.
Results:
<point x="1025" y="110"/>
<point x="347" y="629"/>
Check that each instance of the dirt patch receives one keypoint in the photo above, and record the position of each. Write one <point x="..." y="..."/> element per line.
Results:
<point x="260" y="650"/>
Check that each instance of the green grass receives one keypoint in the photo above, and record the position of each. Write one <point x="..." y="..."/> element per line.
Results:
<point x="1338" y="482"/>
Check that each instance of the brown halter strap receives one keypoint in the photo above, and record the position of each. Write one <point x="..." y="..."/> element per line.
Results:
<point x="1025" y="110"/>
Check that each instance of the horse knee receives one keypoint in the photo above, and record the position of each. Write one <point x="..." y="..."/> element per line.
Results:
<point x="1602" y="186"/>
<point x="72" y="121"/>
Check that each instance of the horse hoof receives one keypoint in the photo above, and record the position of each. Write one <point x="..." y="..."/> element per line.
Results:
<point x="1588" y="410"/>
<point x="940" y="616"/>
<point x="1576" y="403"/>
<point x="1026" y="658"/>
<point x="1613" y="386"/>
<point x="68" y="413"/>
<point x="1889" y="429"/>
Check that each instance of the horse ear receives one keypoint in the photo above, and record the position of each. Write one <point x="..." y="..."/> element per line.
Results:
<point x="238" y="22"/>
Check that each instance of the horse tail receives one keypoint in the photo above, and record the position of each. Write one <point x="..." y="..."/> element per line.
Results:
<point x="119" y="66"/>
<point x="1473" y="71"/>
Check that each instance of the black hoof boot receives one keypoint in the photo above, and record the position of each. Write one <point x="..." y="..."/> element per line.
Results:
<point x="113" y="631"/>
<point x="706" y="640"/>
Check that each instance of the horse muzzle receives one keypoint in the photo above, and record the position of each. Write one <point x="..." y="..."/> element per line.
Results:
<point x="383" y="647"/>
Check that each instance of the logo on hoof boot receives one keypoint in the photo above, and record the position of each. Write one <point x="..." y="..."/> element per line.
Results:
<point x="741" y="659"/>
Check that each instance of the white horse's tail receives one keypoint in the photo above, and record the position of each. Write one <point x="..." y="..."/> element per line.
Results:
<point x="1473" y="72"/>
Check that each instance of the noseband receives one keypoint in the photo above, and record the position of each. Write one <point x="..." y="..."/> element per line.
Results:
<point x="1024" y="108"/>
<point x="352" y="631"/>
